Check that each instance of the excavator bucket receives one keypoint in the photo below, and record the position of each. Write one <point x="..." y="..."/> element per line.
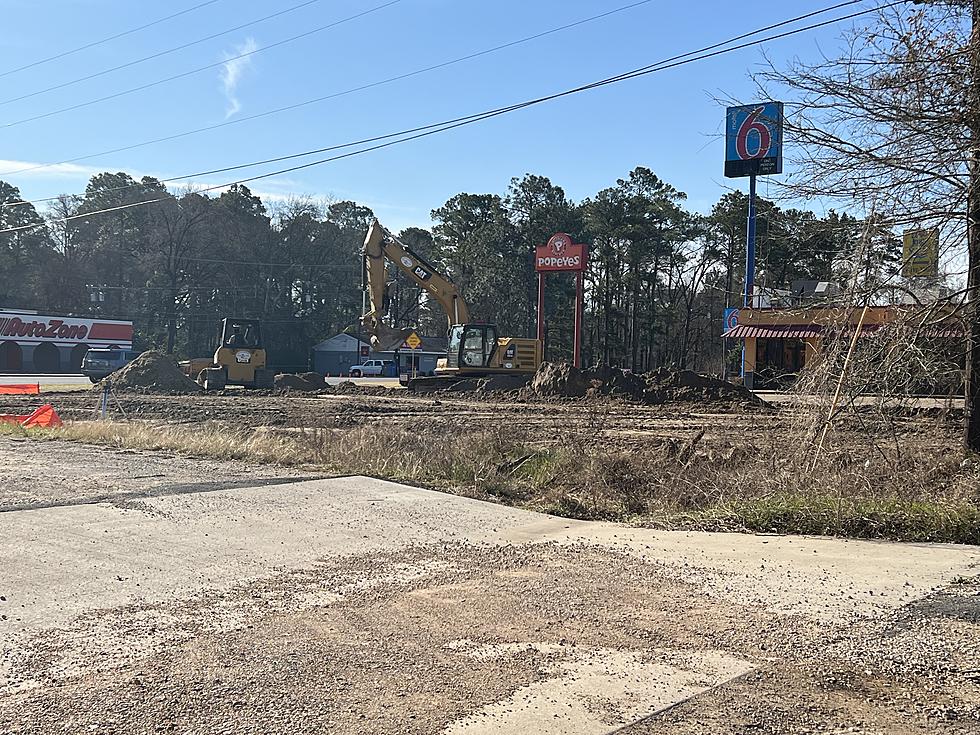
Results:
<point x="386" y="339"/>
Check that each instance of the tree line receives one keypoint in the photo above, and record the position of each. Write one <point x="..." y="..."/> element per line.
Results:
<point x="658" y="280"/>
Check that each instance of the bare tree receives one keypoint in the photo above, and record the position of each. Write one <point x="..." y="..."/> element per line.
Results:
<point x="894" y="120"/>
<point x="177" y="241"/>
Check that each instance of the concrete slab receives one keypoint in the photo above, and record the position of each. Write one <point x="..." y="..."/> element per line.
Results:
<point x="105" y="564"/>
<point x="61" y="562"/>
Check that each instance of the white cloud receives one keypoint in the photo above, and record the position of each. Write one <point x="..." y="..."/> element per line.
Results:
<point x="14" y="170"/>
<point x="232" y="71"/>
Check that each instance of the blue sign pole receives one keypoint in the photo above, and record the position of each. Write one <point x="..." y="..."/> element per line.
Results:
<point x="750" y="246"/>
<point x="749" y="258"/>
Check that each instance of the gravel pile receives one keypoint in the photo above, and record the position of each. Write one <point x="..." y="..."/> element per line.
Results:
<point x="151" y="372"/>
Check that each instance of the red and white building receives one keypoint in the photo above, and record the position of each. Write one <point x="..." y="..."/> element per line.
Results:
<point x="41" y="343"/>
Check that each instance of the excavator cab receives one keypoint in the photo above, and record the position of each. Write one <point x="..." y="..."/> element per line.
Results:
<point x="471" y="346"/>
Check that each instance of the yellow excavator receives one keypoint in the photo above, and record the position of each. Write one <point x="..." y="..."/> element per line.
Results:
<point x="475" y="349"/>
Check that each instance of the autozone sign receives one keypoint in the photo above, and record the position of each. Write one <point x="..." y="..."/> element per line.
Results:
<point x="24" y="327"/>
<point x="560" y="254"/>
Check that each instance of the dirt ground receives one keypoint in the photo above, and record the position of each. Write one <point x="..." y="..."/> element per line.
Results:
<point x="455" y="637"/>
<point x="617" y="421"/>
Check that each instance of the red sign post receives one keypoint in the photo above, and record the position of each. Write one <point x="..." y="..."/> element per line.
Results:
<point x="561" y="254"/>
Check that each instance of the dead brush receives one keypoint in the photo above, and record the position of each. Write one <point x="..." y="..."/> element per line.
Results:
<point x="860" y="455"/>
<point x="431" y="451"/>
<point x="881" y="474"/>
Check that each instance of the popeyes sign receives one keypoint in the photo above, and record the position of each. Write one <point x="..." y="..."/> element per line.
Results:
<point x="560" y="254"/>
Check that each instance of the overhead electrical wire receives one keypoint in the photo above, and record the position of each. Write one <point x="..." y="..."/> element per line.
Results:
<point x="107" y="39"/>
<point x="159" y="54"/>
<point x="198" y="70"/>
<point x="334" y="95"/>
<point x="672" y="62"/>
<point x="467" y="118"/>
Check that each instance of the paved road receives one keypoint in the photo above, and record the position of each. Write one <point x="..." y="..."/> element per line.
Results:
<point x="142" y="592"/>
<point x="386" y="382"/>
<point x="921" y="402"/>
<point x="42" y="379"/>
<point x="72" y="380"/>
<point x="771" y="396"/>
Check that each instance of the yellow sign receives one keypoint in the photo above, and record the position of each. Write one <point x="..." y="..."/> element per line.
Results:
<point x="413" y="341"/>
<point x="920" y="254"/>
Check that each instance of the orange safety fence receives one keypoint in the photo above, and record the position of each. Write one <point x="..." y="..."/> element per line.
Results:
<point x="44" y="417"/>
<point x="21" y="389"/>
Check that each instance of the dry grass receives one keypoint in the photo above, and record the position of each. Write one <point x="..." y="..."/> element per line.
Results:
<point x="916" y="490"/>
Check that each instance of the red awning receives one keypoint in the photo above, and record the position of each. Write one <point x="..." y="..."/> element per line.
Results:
<point x="784" y="331"/>
<point x="801" y="331"/>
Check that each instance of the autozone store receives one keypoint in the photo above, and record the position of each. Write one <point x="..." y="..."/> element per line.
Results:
<point x="36" y="343"/>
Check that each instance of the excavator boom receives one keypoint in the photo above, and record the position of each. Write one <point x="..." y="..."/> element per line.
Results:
<point x="474" y="348"/>
<point x="381" y="246"/>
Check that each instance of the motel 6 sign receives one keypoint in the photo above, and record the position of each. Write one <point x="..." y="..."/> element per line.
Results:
<point x="754" y="139"/>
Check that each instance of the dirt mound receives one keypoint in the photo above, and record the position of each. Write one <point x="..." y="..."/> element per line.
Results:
<point x="660" y="386"/>
<point x="292" y="382"/>
<point x="502" y="383"/>
<point x="610" y="381"/>
<point x="151" y="372"/>
<point x="490" y="384"/>
<point x="314" y="379"/>
<point x="350" y="388"/>
<point x="554" y="379"/>
<point x="666" y="386"/>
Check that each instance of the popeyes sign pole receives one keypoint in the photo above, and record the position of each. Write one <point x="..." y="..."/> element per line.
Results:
<point x="561" y="254"/>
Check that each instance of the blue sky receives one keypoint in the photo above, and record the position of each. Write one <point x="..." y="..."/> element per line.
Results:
<point x="669" y="122"/>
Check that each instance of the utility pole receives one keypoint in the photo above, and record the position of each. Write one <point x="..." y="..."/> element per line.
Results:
<point x="972" y="376"/>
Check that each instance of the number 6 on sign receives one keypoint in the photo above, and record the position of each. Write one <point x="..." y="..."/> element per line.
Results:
<point x="752" y="124"/>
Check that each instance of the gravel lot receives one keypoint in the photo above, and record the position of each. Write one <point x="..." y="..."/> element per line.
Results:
<point x="44" y="475"/>
<point x="572" y="636"/>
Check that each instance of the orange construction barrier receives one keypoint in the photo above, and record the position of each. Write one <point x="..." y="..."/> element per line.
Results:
<point x="22" y="389"/>
<point x="45" y="417"/>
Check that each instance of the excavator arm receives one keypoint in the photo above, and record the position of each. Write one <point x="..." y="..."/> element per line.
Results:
<point x="381" y="246"/>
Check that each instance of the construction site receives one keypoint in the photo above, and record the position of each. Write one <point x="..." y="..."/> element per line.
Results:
<point x="592" y="552"/>
<point x="507" y="544"/>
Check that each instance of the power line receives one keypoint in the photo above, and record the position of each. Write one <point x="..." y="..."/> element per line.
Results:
<point x="428" y="130"/>
<point x="131" y="31"/>
<point x="199" y="69"/>
<point x="476" y="116"/>
<point x="334" y="95"/>
<point x="325" y="266"/>
<point x="159" y="54"/>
